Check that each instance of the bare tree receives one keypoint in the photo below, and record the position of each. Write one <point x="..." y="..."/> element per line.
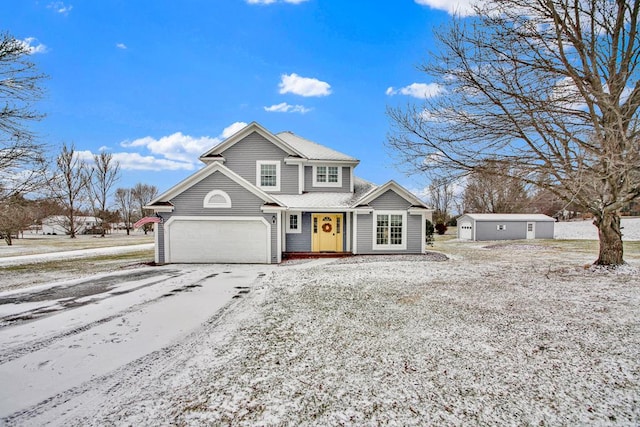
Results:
<point x="548" y="86"/>
<point x="68" y="185"/>
<point x="143" y="194"/>
<point x="441" y="198"/>
<point x="21" y="160"/>
<point x="493" y="191"/>
<point x="15" y="216"/>
<point x="125" y="203"/>
<point x="102" y="176"/>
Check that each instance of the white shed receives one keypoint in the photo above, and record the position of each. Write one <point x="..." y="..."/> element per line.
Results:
<point x="505" y="226"/>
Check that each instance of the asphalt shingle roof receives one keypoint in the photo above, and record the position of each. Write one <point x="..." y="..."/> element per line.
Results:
<point x="312" y="150"/>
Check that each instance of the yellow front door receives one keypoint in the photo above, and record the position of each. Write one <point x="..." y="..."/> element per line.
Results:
<point x="326" y="232"/>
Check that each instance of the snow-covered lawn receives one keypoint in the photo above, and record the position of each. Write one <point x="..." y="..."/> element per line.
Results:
<point x="586" y="230"/>
<point x="494" y="333"/>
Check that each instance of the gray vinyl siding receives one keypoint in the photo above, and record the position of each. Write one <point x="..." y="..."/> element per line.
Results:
<point x="544" y="230"/>
<point x="242" y="157"/>
<point x="243" y="203"/>
<point x="300" y="242"/>
<point x="159" y="230"/>
<point x="488" y="230"/>
<point x="346" y="182"/>
<point x="514" y="230"/>
<point x="390" y="200"/>
<point x="366" y="235"/>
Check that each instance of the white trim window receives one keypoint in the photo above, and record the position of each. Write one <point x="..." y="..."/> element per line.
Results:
<point x="390" y="230"/>
<point x="327" y="176"/>
<point x="216" y="199"/>
<point x="268" y="175"/>
<point x="294" y="223"/>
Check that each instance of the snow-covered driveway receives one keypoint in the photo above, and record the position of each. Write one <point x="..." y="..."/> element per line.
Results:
<point x="56" y="337"/>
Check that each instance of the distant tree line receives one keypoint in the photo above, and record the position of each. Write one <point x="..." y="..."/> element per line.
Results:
<point x="67" y="188"/>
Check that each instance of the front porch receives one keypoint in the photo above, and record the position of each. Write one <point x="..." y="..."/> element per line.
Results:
<point x="305" y="255"/>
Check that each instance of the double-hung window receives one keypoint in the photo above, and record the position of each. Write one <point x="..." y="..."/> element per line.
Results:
<point x="294" y="224"/>
<point x="327" y="176"/>
<point x="390" y="230"/>
<point x="268" y="175"/>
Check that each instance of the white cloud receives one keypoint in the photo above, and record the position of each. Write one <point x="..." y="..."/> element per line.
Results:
<point x="459" y="7"/>
<point x="418" y="90"/>
<point x="60" y="7"/>
<point x="303" y="86"/>
<point x="173" y="152"/>
<point x="283" y="107"/>
<point x="33" y="46"/>
<point x="121" y="45"/>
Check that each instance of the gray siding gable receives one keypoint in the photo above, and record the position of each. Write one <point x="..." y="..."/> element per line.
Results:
<point x="190" y="203"/>
<point x="243" y="202"/>
<point x="390" y="200"/>
<point x="242" y="156"/>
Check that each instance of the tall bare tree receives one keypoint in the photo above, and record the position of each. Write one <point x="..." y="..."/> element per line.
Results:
<point x="549" y="86"/>
<point x="21" y="159"/>
<point x="441" y="199"/>
<point x="102" y="177"/>
<point x="143" y="194"/>
<point x="125" y="203"/>
<point x="69" y="184"/>
<point x="488" y="190"/>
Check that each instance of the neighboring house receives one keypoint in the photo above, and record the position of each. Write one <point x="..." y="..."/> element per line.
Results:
<point x="59" y="224"/>
<point x="263" y="195"/>
<point x="505" y="226"/>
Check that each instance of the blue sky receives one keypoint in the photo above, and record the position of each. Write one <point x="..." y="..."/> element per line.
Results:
<point x="157" y="83"/>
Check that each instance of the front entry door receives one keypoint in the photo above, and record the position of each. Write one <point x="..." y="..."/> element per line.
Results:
<point x="327" y="232"/>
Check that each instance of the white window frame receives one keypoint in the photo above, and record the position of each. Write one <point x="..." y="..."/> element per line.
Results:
<point x="389" y="246"/>
<point x="317" y="183"/>
<point x="207" y="203"/>
<point x="288" y="223"/>
<point x="501" y="227"/>
<point x="259" y="164"/>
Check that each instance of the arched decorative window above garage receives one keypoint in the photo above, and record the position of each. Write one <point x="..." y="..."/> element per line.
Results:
<point x="216" y="199"/>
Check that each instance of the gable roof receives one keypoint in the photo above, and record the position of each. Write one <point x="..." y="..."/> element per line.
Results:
<point x="395" y="187"/>
<point x="288" y="142"/>
<point x="508" y="217"/>
<point x="243" y="133"/>
<point x="312" y="150"/>
<point x="327" y="200"/>
<point x="202" y="174"/>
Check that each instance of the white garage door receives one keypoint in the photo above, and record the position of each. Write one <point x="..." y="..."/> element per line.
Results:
<point x="466" y="231"/>
<point x="218" y="241"/>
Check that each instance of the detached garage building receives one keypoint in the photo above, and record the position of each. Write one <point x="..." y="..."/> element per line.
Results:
<point x="505" y="226"/>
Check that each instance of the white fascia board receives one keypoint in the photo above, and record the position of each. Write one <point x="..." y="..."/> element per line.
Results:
<point x="333" y="162"/>
<point x="208" y="160"/>
<point x="362" y="211"/>
<point x="246" y="131"/>
<point x="272" y="209"/>
<point x="395" y="187"/>
<point x="160" y="208"/>
<point x="295" y="161"/>
<point x="414" y="210"/>
<point x="205" y="172"/>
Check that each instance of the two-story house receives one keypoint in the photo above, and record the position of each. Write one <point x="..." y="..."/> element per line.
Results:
<point x="262" y="195"/>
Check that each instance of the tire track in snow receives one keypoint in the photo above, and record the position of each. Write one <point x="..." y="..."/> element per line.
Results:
<point x="10" y="354"/>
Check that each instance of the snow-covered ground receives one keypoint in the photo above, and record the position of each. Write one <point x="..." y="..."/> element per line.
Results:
<point x="499" y="333"/>
<point x="586" y="230"/>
